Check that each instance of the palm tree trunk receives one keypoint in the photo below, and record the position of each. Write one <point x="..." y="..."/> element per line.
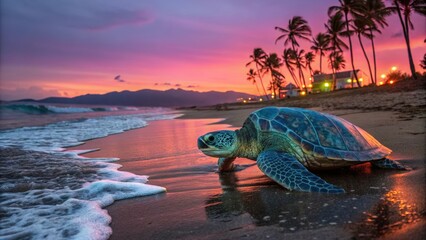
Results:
<point x="410" y="56"/>
<point x="374" y="58"/>
<point x="334" y="73"/>
<point x="365" y="55"/>
<point x="261" y="82"/>
<point x="293" y="76"/>
<point x="320" y="61"/>
<point x="258" y="91"/>
<point x="302" y="76"/>
<point x="407" y="39"/>
<point x="351" y="50"/>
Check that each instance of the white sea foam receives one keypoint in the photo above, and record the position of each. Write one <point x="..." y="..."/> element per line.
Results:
<point x="48" y="193"/>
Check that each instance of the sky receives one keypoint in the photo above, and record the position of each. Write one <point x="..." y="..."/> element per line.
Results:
<point x="74" y="47"/>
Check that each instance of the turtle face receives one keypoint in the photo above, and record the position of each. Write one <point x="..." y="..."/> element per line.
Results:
<point x="218" y="144"/>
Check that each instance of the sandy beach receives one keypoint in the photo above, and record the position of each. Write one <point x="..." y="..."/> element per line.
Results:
<point x="202" y="204"/>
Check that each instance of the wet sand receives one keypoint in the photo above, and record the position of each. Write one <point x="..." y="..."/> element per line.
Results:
<point x="202" y="204"/>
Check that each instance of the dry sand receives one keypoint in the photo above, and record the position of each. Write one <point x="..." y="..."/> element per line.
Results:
<point x="201" y="204"/>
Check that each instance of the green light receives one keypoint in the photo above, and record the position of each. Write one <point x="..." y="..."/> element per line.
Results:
<point x="326" y="84"/>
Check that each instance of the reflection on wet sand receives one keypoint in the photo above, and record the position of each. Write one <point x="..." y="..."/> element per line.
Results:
<point x="269" y="204"/>
<point x="390" y="213"/>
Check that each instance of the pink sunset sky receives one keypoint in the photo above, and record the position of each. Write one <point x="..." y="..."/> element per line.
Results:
<point x="70" y="48"/>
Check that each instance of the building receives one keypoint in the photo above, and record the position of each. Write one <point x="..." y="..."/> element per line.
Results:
<point x="290" y="90"/>
<point x="324" y="82"/>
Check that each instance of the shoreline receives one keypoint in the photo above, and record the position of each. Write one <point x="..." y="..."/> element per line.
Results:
<point x="204" y="211"/>
<point x="201" y="204"/>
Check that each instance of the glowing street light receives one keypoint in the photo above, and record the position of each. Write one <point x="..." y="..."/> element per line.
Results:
<point x="383" y="76"/>
<point x="394" y="68"/>
<point x="326" y="84"/>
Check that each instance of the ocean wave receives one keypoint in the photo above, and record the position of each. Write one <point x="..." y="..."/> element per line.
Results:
<point x="50" y="109"/>
<point x="49" y="193"/>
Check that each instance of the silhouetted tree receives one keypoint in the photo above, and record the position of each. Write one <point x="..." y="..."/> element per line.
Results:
<point x="349" y="8"/>
<point x="376" y="12"/>
<point x="336" y="62"/>
<point x="297" y="28"/>
<point x="251" y="76"/>
<point x="361" y="28"/>
<point x="404" y="9"/>
<point x="271" y="65"/>
<point x="320" y="45"/>
<point x="258" y="57"/>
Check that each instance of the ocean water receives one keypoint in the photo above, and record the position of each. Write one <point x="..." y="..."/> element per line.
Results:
<point x="47" y="192"/>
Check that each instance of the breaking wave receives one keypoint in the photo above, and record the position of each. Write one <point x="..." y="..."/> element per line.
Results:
<point x="50" y="109"/>
<point x="49" y="193"/>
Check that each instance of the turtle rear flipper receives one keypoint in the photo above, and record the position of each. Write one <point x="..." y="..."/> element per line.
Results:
<point x="284" y="169"/>
<point x="390" y="164"/>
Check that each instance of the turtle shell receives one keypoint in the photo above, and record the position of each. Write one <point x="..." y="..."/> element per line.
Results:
<point x="320" y="134"/>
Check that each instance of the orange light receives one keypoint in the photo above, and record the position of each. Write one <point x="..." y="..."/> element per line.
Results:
<point x="303" y="93"/>
<point x="391" y="82"/>
<point x="310" y="85"/>
<point x="380" y="83"/>
<point x="394" y="68"/>
<point x="383" y="76"/>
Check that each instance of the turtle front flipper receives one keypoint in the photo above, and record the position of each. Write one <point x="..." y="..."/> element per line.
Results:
<point x="226" y="164"/>
<point x="389" y="164"/>
<point x="284" y="169"/>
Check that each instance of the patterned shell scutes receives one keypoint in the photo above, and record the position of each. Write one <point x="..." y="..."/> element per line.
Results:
<point x="322" y="134"/>
<point x="287" y="121"/>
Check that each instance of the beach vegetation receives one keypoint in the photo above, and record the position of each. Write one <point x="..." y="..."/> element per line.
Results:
<point x="289" y="62"/>
<point x="297" y="28"/>
<point x="251" y="77"/>
<point x="350" y="9"/>
<point x="336" y="62"/>
<point x="335" y="30"/>
<point x="404" y="9"/>
<point x="361" y="28"/>
<point x="362" y="19"/>
<point x="272" y="64"/>
<point x="309" y="58"/>
<point x="375" y="12"/>
<point x="320" y="45"/>
<point x="423" y="62"/>
<point x="258" y="58"/>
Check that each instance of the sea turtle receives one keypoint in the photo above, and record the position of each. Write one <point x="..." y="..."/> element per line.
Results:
<point x="286" y="142"/>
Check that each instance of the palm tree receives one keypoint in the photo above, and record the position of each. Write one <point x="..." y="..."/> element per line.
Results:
<point x="288" y="60"/>
<point x="297" y="28"/>
<point x="258" y="57"/>
<point x="336" y="63"/>
<point x="309" y="57"/>
<point x="251" y="76"/>
<point x="271" y="64"/>
<point x="335" y="29"/>
<point x="361" y="27"/>
<point x="300" y="64"/>
<point x="353" y="8"/>
<point x="375" y="11"/>
<point x="406" y="8"/>
<point x="320" y="42"/>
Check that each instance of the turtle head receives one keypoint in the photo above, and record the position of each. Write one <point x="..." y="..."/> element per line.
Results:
<point x="218" y="144"/>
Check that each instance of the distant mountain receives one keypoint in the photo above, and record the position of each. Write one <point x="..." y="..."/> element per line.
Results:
<point x="153" y="98"/>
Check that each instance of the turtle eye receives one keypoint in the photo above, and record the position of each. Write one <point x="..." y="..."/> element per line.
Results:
<point x="211" y="138"/>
